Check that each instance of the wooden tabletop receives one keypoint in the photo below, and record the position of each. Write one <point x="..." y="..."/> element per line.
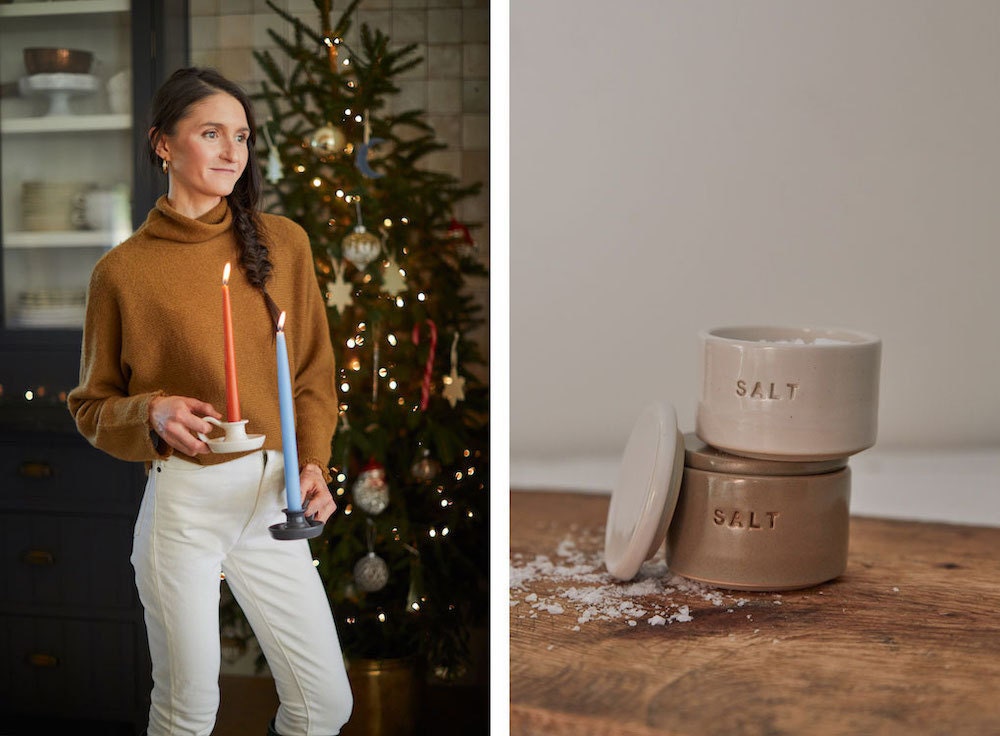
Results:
<point x="907" y="641"/>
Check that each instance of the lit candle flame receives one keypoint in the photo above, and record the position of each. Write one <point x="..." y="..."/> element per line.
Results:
<point x="225" y="275"/>
<point x="281" y="322"/>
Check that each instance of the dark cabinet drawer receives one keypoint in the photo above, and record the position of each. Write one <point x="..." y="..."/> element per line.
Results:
<point x="49" y="559"/>
<point x="68" y="666"/>
<point x="66" y="474"/>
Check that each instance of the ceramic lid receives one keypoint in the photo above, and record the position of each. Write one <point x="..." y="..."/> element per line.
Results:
<point x="645" y="494"/>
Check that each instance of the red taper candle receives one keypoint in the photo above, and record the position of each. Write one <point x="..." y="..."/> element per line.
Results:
<point x="232" y="393"/>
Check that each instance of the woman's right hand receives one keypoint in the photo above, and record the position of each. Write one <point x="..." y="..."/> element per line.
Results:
<point x="178" y="419"/>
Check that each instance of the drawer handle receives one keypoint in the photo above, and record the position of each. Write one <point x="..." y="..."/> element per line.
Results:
<point x="43" y="660"/>
<point x="35" y="469"/>
<point x="39" y="557"/>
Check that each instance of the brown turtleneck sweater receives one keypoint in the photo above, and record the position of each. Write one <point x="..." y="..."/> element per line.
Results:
<point x="154" y="327"/>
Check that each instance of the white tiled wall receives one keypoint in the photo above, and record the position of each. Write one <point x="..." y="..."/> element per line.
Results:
<point x="451" y="83"/>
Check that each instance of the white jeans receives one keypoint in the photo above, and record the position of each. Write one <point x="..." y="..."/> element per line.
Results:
<point x="195" y="522"/>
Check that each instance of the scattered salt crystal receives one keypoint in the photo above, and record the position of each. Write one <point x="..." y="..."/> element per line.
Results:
<point x="577" y="583"/>
<point x="567" y="548"/>
<point x="777" y="603"/>
<point x="683" y="614"/>
<point x="775" y="641"/>
<point x="632" y="622"/>
<point x="729" y="610"/>
<point x="756" y="631"/>
<point x="657" y="621"/>
<point x="550" y="647"/>
<point x="895" y="589"/>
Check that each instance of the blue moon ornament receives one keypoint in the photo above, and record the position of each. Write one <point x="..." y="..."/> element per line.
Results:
<point x="361" y="158"/>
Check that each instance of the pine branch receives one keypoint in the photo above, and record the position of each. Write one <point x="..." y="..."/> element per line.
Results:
<point x="393" y="428"/>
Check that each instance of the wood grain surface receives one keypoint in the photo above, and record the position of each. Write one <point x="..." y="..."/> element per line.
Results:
<point x="907" y="641"/>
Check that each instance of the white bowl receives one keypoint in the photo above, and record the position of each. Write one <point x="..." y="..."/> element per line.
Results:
<point x="789" y="393"/>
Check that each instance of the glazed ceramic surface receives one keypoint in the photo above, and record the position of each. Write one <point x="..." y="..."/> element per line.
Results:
<point x="235" y="439"/>
<point x="759" y="532"/>
<point x="788" y="393"/>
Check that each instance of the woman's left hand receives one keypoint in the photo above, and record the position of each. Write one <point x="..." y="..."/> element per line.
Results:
<point x="316" y="493"/>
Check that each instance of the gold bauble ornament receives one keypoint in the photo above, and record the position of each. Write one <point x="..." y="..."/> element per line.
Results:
<point x="361" y="247"/>
<point x="328" y="141"/>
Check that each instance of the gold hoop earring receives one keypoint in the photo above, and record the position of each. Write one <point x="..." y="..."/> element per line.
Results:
<point x="164" y="166"/>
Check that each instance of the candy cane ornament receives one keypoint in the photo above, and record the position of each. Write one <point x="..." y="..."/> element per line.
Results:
<point x="425" y="388"/>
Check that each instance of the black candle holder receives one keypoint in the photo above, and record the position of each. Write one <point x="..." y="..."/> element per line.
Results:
<point x="296" y="526"/>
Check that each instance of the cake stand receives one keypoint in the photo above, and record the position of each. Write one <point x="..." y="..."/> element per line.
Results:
<point x="59" y="88"/>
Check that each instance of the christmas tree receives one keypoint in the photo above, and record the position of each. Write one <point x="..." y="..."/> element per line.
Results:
<point x="405" y="558"/>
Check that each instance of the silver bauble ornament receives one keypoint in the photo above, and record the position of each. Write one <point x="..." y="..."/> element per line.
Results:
<point x="328" y="141"/>
<point x="371" y="573"/>
<point x="370" y="491"/>
<point x="361" y="247"/>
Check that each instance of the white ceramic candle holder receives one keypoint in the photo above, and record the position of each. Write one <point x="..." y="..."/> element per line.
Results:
<point x="235" y="438"/>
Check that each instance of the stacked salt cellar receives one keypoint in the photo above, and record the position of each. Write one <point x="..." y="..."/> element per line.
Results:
<point x="758" y="498"/>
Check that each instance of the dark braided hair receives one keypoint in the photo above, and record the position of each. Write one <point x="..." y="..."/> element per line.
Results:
<point x="171" y="103"/>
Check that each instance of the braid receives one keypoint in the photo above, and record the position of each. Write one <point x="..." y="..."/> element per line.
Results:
<point x="253" y="251"/>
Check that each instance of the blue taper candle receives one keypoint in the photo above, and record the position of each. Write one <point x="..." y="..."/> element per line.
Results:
<point x="287" y="407"/>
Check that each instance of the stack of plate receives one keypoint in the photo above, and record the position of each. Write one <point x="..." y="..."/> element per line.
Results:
<point x="49" y="205"/>
<point x="50" y="308"/>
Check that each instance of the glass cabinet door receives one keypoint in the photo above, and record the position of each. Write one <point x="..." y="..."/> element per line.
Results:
<point x="66" y="152"/>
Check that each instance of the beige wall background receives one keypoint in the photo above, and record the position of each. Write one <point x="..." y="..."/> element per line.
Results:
<point x="677" y="166"/>
<point x="451" y="83"/>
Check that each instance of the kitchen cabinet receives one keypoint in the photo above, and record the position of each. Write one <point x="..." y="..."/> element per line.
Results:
<point x="71" y="185"/>
<point x="74" y="182"/>
<point x="72" y="639"/>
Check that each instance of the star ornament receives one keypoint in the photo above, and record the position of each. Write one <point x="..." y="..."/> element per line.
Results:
<point x="339" y="293"/>
<point x="454" y="387"/>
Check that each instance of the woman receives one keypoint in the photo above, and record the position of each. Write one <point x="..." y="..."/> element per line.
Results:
<point x="152" y="370"/>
